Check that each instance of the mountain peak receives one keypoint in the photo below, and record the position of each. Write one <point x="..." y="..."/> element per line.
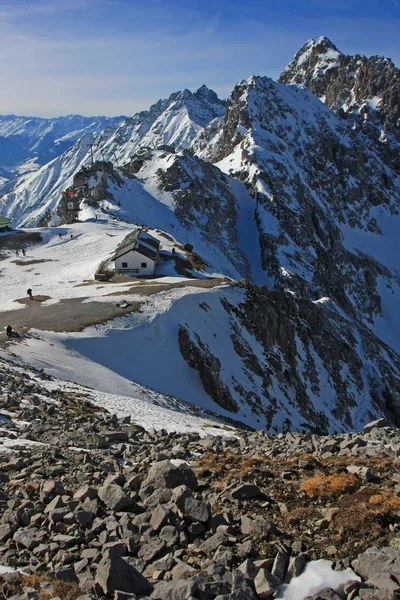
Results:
<point x="314" y="55"/>
<point x="350" y="83"/>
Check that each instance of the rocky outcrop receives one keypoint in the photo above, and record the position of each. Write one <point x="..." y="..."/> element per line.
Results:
<point x="346" y="81"/>
<point x="364" y="91"/>
<point x="277" y="359"/>
<point x="313" y="196"/>
<point x="208" y="366"/>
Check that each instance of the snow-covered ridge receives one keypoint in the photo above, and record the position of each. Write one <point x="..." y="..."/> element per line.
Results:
<point x="26" y="143"/>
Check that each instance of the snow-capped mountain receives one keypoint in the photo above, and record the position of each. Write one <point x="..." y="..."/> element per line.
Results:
<point x="26" y="143"/>
<point x="300" y="198"/>
<point x="346" y="82"/>
<point x="175" y="121"/>
<point x="326" y="205"/>
<point x="364" y="91"/>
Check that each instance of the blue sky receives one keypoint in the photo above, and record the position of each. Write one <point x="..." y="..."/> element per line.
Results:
<point x="116" y="57"/>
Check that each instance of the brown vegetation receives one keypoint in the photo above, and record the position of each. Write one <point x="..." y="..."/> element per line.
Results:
<point x="60" y="589"/>
<point x="323" y="486"/>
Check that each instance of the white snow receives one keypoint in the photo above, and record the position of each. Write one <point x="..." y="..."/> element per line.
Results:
<point x="317" y="576"/>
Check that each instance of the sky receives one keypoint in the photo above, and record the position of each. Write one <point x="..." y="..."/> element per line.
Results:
<point x="116" y="57"/>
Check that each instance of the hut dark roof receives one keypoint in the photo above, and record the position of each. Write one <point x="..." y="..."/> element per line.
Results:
<point x="132" y="242"/>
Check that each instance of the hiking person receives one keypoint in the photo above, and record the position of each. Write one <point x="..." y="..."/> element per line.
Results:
<point x="17" y="253"/>
<point x="60" y="235"/>
<point x="23" y="252"/>
<point x="72" y="237"/>
<point x="29" y="292"/>
<point x="9" y="331"/>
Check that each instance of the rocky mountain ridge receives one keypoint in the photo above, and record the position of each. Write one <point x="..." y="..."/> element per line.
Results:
<point x="364" y="91"/>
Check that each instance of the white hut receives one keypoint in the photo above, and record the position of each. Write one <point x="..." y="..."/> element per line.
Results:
<point x="137" y="254"/>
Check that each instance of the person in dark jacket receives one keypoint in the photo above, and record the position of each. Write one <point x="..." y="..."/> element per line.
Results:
<point x="9" y="331"/>
<point x="29" y="292"/>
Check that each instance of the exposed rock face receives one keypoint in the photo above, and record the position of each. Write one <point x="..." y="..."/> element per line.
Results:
<point x="366" y="90"/>
<point x="283" y="363"/>
<point x="200" y="358"/>
<point x="346" y="81"/>
<point x="315" y="200"/>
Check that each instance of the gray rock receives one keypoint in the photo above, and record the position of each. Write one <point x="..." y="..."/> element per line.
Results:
<point x="174" y="590"/>
<point x="114" y="497"/>
<point x="241" y="588"/>
<point x="380" y="566"/>
<point x="115" y="573"/>
<point x="6" y="532"/>
<point x="169" y="535"/>
<point x="266" y="584"/>
<point x="246" y="491"/>
<point x="280" y="565"/>
<point x="295" y="567"/>
<point x="150" y="550"/>
<point x="84" y="518"/>
<point x="361" y="472"/>
<point x="165" y="474"/>
<point x="27" y="538"/>
<point x="159" y="517"/>
<point x="375" y="425"/>
<point x="66" y="574"/>
<point x="84" y="492"/>
<point x="249" y="569"/>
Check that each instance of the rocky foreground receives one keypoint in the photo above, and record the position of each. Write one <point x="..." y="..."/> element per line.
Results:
<point x="100" y="508"/>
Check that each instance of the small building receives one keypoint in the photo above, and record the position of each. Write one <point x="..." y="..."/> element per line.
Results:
<point x="5" y="224"/>
<point x="137" y="254"/>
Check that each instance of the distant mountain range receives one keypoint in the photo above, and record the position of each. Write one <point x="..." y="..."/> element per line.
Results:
<point x="27" y="143"/>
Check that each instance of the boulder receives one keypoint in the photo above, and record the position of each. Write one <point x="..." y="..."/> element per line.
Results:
<point x="180" y="589"/>
<point x="266" y="584"/>
<point x="241" y="588"/>
<point x="165" y="474"/>
<point x="375" y="424"/>
<point x="115" y="573"/>
<point x="114" y="497"/>
<point x="380" y="566"/>
<point x="246" y="491"/>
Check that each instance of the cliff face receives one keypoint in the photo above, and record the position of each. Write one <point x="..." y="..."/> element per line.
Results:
<point x="323" y="199"/>
<point x="287" y="362"/>
<point x="365" y="91"/>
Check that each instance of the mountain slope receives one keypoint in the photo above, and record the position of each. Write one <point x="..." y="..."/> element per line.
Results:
<point x="33" y="141"/>
<point x="365" y="91"/>
<point x="326" y="205"/>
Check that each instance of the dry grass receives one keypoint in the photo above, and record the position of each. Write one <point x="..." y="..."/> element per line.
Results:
<point x="384" y="501"/>
<point x="227" y="467"/>
<point x="324" y="486"/>
<point x="31" y="489"/>
<point x="62" y="589"/>
<point x="302" y="514"/>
